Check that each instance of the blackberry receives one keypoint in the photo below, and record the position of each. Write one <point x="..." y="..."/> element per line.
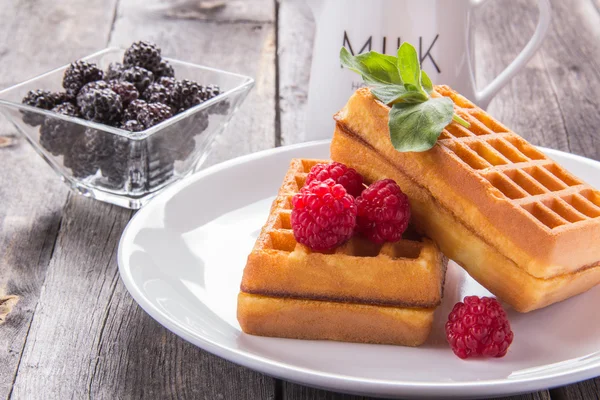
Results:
<point x="100" y="105"/>
<point x="221" y="108"/>
<point x="62" y="97"/>
<point x="114" y="71"/>
<point x="144" y="163"/>
<point x="133" y="125"/>
<point x="148" y="114"/>
<point x="67" y="109"/>
<point x="140" y="77"/>
<point x="157" y="93"/>
<point x="126" y="90"/>
<point x="167" y="82"/>
<point x="154" y="113"/>
<point x="181" y="143"/>
<point x="40" y="98"/>
<point x="142" y="54"/>
<point x="164" y="69"/>
<point x="90" y="149"/>
<point x="43" y="99"/>
<point x="57" y="135"/>
<point x="160" y="164"/>
<point x="133" y="110"/>
<point x="209" y="91"/>
<point x="186" y="94"/>
<point x="97" y="85"/>
<point x="78" y="74"/>
<point x="114" y="168"/>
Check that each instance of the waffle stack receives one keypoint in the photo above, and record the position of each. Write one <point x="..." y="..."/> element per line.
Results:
<point x="518" y="222"/>
<point x="360" y="292"/>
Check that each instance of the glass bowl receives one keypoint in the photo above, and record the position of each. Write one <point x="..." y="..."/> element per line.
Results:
<point x="129" y="167"/>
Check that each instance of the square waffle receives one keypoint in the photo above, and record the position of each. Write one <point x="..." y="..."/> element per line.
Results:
<point x="518" y="222"/>
<point x="359" y="292"/>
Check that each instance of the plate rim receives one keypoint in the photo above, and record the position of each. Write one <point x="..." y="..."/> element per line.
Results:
<point x="334" y="381"/>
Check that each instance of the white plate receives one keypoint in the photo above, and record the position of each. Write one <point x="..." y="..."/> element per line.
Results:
<point x="181" y="258"/>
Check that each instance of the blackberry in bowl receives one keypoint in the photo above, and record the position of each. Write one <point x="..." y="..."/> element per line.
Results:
<point x="121" y="125"/>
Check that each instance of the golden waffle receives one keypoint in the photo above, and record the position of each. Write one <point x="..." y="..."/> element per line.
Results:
<point x="358" y="292"/>
<point x="514" y="219"/>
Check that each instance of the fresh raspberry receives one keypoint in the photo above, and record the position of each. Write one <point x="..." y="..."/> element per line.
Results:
<point x="351" y="180"/>
<point x="383" y="212"/>
<point x="323" y="215"/>
<point x="478" y="327"/>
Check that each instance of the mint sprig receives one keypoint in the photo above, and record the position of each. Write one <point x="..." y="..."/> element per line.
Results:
<point x="416" y="120"/>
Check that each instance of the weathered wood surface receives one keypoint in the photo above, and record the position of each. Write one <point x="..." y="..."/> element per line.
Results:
<point x="75" y="332"/>
<point x="88" y="338"/>
<point x="31" y="197"/>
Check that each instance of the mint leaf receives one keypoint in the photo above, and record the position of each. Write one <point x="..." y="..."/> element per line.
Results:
<point x="375" y="66"/>
<point x="393" y="93"/>
<point x="416" y="127"/>
<point x="409" y="67"/>
<point x="426" y="82"/>
<point x="415" y="119"/>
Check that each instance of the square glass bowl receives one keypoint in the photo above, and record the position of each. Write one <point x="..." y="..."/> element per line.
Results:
<point x="127" y="168"/>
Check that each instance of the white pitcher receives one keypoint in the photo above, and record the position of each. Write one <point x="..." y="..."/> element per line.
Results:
<point x="439" y="30"/>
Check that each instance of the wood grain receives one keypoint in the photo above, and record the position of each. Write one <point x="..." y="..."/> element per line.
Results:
<point x="89" y="338"/>
<point x="34" y="38"/>
<point x="295" y="29"/>
<point x="75" y="331"/>
<point x="292" y="391"/>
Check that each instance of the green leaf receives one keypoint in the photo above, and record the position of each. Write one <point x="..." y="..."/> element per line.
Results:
<point x="426" y="82"/>
<point x="392" y="94"/>
<point x="409" y="67"/>
<point x="372" y="65"/>
<point x="416" y="127"/>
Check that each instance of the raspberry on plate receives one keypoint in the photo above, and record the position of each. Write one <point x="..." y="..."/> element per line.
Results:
<point x="323" y="215"/>
<point x="351" y="180"/>
<point x="383" y="212"/>
<point x="478" y="327"/>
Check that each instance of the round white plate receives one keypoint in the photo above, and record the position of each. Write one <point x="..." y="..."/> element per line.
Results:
<point x="182" y="256"/>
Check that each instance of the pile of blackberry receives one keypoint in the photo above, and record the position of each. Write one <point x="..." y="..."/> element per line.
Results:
<point x="133" y="95"/>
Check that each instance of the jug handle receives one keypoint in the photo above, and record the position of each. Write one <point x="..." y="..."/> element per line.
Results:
<point x="484" y="96"/>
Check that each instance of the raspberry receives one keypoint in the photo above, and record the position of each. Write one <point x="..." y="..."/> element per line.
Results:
<point x="383" y="212"/>
<point x="351" y="180"/>
<point x="323" y="215"/>
<point x="478" y="327"/>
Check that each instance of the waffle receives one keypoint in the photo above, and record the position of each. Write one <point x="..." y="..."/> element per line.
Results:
<point x="518" y="222"/>
<point x="359" y="292"/>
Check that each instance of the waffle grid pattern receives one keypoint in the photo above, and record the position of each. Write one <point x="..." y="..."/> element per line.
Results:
<point x="520" y="173"/>
<point x="282" y="236"/>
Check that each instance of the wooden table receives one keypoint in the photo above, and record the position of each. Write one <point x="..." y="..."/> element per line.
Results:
<point x="71" y="329"/>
